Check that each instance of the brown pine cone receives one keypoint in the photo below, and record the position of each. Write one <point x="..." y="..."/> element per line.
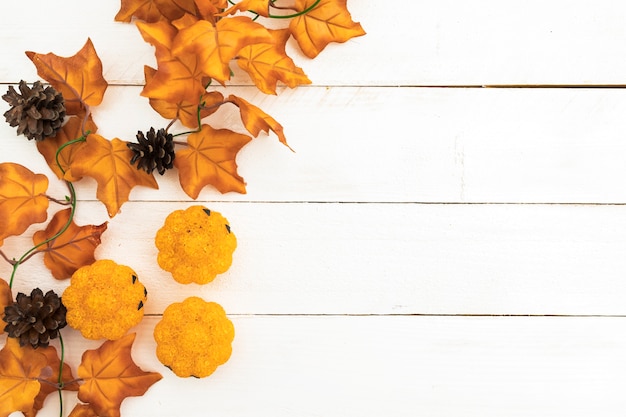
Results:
<point x="37" y="112"/>
<point x="35" y="319"/>
<point x="153" y="151"/>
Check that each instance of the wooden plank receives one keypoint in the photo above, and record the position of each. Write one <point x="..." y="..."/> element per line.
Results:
<point x="422" y="42"/>
<point x="401" y="366"/>
<point x="381" y="258"/>
<point x="369" y="144"/>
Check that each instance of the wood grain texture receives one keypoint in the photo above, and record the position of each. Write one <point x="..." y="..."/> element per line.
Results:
<point x="405" y="366"/>
<point x="423" y="42"/>
<point x="331" y="258"/>
<point x="372" y="144"/>
<point x="365" y="256"/>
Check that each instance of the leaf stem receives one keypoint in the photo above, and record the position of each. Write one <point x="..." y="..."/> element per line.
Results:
<point x="60" y="380"/>
<point x="167" y="128"/>
<point x="289" y="16"/>
<point x="55" y="200"/>
<point x="201" y="107"/>
<point x="6" y="258"/>
<point x="71" y="216"/>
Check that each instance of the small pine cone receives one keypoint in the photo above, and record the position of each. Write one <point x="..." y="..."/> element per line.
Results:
<point x="156" y="151"/>
<point x="35" y="319"/>
<point x="38" y="112"/>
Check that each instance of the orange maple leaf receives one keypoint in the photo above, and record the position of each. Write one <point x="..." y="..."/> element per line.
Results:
<point x="23" y="201"/>
<point x="268" y="63"/>
<point x="210" y="160"/>
<point x="179" y="77"/>
<point x="20" y="368"/>
<point x="83" y="410"/>
<point x="108" y="162"/>
<point x="185" y="111"/>
<point x="209" y="9"/>
<point x="6" y="298"/>
<point x="141" y="9"/>
<point x="327" y="22"/>
<point x="217" y="44"/>
<point x="74" y="248"/>
<point x="260" y="7"/>
<point x="256" y="120"/>
<point x="110" y="375"/>
<point x="72" y="129"/>
<point x="53" y="362"/>
<point x="79" y="77"/>
<point x="153" y="10"/>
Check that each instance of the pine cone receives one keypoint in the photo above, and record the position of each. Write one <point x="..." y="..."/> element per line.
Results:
<point x="35" y="319"/>
<point x="154" y="152"/>
<point x="38" y="113"/>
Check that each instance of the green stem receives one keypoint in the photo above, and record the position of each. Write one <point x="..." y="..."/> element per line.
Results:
<point x="60" y="380"/>
<point x="69" y="221"/>
<point x="289" y="16"/>
<point x="199" y="117"/>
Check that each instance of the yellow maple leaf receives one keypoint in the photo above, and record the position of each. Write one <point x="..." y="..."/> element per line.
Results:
<point x="153" y="10"/>
<point x="23" y="199"/>
<point x="108" y="162"/>
<point x="83" y="410"/>
<point x="73" y="128"/>
<point x="79" y="77"/>
<point x="183" y="110"/>
<point x="209" y="159"/>
<point x="256" y="120"/>
<point x="178" y="77"/>
<point x="6" y="298"/>
<point x="260" y="7"/>
<point x="20" y="368"/>
<point x="327" y="22"/>
<point x="110" y="375"/>
<point x="74" y="248"/>
<point x="268" y="63"/>
<point x="216" y="44"/>
<point x="53" y="362"/>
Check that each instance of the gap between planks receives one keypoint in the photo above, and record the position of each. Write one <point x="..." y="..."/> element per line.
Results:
<point x="425" y="86"/>
<point x="391" y="315"/>
<point x="417" y="203"/>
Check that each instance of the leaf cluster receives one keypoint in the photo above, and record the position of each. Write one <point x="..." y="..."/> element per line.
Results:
<point x="196" y="43"/>
<point x="106" y="376"/>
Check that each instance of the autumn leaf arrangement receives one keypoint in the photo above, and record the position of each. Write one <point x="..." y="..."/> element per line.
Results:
<point x="196" y="44"/>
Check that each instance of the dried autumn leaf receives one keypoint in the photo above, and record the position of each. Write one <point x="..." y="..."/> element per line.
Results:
<point x="83" y="410"/>
<point x="110" y="375"/>
<point x="74" y="248"/>
<point x="20" y="367"/>
<point x="6" y="298"/>
<point x="210" y="160"/>
<point x="328" y="22"/>
<point x="260" y="7"/>
<point x="185" y="111"/>
<point x="209" y="9"/>
<point x="178" y="77"/>
<point x="141" y="9"/>
<point x="217" y="44"/>
<point x="54" y="363"/>
<point x="108" y="162"/>
<point x="174" y="9"/>
<point x="256" y="120"/>
<point x="154" y="10"/>
<point x="79" y="77"/>
<point x="72" y="129"/>
<point x="268" y="63"/>
<point x="23" y="201"/>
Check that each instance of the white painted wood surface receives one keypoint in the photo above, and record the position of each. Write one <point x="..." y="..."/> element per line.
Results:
<point x="378" y="265"/>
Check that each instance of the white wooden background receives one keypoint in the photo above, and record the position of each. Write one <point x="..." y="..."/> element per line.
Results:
<point x="433" y="247"/>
